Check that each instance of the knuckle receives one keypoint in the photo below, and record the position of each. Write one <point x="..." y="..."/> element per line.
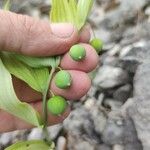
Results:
<point x="28" y="23"/>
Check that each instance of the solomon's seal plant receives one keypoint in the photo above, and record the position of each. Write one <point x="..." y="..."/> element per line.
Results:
<point x="38" y="72"/>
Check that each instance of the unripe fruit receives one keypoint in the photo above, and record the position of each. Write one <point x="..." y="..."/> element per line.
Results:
<point x="57" y="105"/>
<point x="97" y="44"/>
<point x="63" y="79"/>
<point x="77" y="52"/>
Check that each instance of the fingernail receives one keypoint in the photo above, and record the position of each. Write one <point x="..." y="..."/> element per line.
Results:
<point x="62" y="30"/>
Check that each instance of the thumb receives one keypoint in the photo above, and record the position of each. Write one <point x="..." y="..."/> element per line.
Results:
<point x="28" y="36"/>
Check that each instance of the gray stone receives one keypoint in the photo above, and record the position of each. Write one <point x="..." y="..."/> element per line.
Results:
<point x="138" y="51"/>
<point x="104" y="35"/>
<point x="6" y="138"/>
<point x="123" y="93"/>
<point x="35" y="134"/>
<point x="113" y="132"/>
<point x="110" y="60"/>
<point x="118" y="147"/>
<point x="115" y="50"/>
<point x="83" y="145"/>
<point x="61" y="143"/>
<point x="103" y="147"/>
<point x="80" y="125"/>
<point x="139" y="111"/>
<point x="19" y="135"/>
<point x="135" y="56"/>
<point x="142" y="82"/>
<point x="125" y="13"/>
<point x="78" y="143"/>
<point x="96" y="15"/>
<point x="92" y="92"/>
<point x="136" y="33"/>
<point x="110" y="77"/>
<point x="99" y="119"/>
<point x="54" y="131"/>
<point x="9" y="138"/>
<point x="112" y="104"/>
<point x="147" y="11"/>
<point x="121" y="130"/>
<point x="131" y="141"/>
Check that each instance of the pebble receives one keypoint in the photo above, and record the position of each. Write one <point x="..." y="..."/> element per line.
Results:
<point x="110" y="77"/>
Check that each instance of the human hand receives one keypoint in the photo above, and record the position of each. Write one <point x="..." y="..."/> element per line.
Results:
<point x="28" y="36"/>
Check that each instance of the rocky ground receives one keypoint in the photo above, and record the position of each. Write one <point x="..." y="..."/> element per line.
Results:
<point x="115" y="114"/>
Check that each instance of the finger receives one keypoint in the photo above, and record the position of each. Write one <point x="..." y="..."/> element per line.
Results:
<point x="11" y="123"/>
<point x="88" y="64"/>
<point x="80" y="85"/>
<point x="23" y="34"/>
<point x="85" y="34"/>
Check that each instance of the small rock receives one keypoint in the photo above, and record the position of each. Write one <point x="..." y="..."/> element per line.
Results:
<point x="125" y="50"/>
<point x="61" y="143"/>
<point x="97" y="15"/>
<point x="109" y="60"/>
<point x="123" y="93"/>
<point x="147" y="11"/>
<point x="113" y="133"/>
<point x="92" y="92"/>
<point x="54" y="131"/>
<point x="84" y="145"/>
<point x="112" y="104"/>
<point x="115" y="50"/>
<point x="135" y="56"/>
<point x="89" y="104"/>
<point x="105" y="36"/>
<point x="5" y="138"/>
<point x="125" y="13"/>
<point x="120" y="130"/>
<point x="110" y="77"/>
<point x="19" y="135"/>
<point x="103" y="147"/>
<point x="140" y="54"/>
<point x="99" y="119"/>
<point x="139" y="111"/>
<point x="35" y="134"/>
<point x="118" y="147"/>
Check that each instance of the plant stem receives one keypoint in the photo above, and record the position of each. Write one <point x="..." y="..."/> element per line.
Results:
<point x="94" y="33"/>
<point x="45" y="114"/>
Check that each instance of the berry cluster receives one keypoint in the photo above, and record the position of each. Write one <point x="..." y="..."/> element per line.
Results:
<point x="63" y="80"/>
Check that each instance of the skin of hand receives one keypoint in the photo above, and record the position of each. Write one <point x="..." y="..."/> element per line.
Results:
<point x="26" y="35"/>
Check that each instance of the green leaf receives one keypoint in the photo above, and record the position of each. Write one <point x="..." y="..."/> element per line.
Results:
<point x="11" y="104"/>
<point x="36" y="62"/>
<point x="53" y="12"/>
<point x="83" y="10"/>
<point x="62" y="11"/>
<point x="71" y="11"/>
<point x="58" y="13"/>
<point x="31" y="145"/>
<point x="34" y="77"/>
<point x="6" y="5"/>
<point x="73" y="7"/>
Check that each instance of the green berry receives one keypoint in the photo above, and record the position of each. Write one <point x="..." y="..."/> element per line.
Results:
<point x="63" y="79"/>
<point x="57" y="105"/>
<point x="97" y="44"/>
<point x="77" y="52"/>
